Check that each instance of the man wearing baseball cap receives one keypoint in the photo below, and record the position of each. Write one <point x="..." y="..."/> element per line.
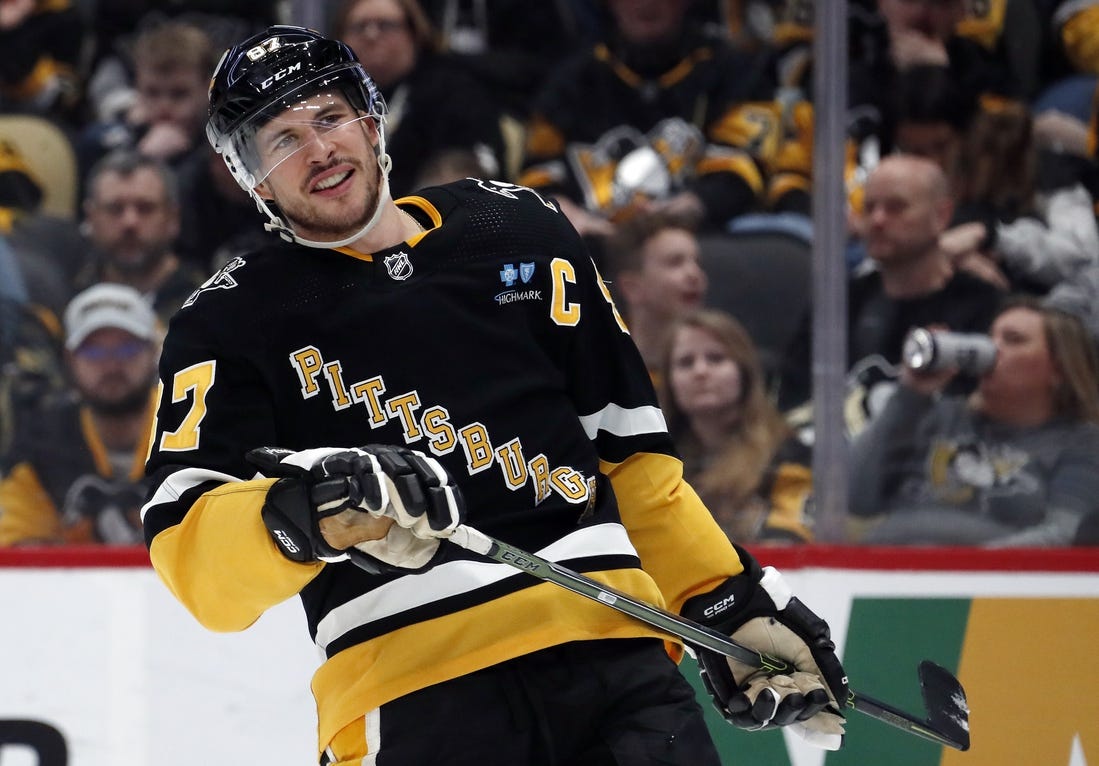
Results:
<point x="74" y="472"/>
<point x="108" y="306"/>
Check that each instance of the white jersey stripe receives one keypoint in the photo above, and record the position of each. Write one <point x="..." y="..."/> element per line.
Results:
<point x="619" y="421"/>
<point x="179" y="482"/>
<point x="457" y="577"/>
<point x="373" y="723"/>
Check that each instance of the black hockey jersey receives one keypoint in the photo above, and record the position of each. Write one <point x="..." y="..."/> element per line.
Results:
<point x="488" y="341"/>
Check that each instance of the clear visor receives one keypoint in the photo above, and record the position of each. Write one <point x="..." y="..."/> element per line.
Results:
<point x="299" y="123"/>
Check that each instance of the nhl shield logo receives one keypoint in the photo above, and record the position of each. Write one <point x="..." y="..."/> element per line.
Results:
<point x="398" y="266"/>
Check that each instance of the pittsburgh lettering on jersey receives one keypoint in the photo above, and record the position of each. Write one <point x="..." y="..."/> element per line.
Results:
<point x="420" y="422"/>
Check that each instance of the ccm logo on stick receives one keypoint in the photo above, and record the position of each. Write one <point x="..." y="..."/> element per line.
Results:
<point x="519" y="561"/>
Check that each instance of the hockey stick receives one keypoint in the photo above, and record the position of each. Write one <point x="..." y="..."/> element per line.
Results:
<point x="948" y="715"/>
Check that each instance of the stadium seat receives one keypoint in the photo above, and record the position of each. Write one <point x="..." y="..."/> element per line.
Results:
<point x="49" y="154"/>
<point x="760" y="272"/>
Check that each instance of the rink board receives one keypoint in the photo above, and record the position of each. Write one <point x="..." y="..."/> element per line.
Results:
<point x="97" y="656"/>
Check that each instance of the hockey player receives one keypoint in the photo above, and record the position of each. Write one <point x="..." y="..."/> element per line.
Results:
<point x="404" y="363"/>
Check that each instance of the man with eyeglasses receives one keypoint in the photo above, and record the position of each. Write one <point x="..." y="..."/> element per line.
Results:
<point x="74" y="471"/>
<point x="131" y="212"/>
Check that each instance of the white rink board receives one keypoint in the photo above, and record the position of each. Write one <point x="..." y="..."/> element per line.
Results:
<point x="131" y="679"/>
<point x="108" y="657"/>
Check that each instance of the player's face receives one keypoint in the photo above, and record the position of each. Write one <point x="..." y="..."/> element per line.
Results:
<point x="320" y="168"/>
<point x="705" y="380"/>
<point x="672" y="281"/>
<point x="131" y="220"/>
<point x="114" y="370"/>
<point x="1024" y="371"/>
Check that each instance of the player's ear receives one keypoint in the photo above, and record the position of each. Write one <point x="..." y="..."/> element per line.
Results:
<point x="371" y="129"/>
<point x="263" y="192"/>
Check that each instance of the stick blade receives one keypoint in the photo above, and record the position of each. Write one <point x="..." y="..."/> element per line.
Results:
<point x="944" y="698"/>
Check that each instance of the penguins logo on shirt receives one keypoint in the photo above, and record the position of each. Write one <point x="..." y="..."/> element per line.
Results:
<point x="223" y="280"/>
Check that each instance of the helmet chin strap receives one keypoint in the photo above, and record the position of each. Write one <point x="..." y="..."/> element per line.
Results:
<point x="280" y="227"/>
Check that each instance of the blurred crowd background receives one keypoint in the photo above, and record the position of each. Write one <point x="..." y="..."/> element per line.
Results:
<point x="678" y="137"/>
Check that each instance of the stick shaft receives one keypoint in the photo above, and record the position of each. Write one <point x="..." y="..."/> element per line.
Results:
<point x="691" y="632"/>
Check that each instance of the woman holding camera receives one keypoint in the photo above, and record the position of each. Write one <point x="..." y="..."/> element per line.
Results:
<point x="1016" y="463"/>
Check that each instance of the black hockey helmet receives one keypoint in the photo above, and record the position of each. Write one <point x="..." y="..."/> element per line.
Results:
<point x="274" y="72"/>
<point x="270" y="72"/>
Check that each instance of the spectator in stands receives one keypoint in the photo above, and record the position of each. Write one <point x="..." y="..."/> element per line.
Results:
<point x="656" y="274"/>
<point x="931" y="114"/>
<point x="132" y="216"/>
<point x="433" y="105"/>
<point x="738" y="452"/>
<point x="910" y="282"/>
<point x="120" y="23"/>
<point x="996" y="173"/>
<point x="926" y="32"/>
<point x="40" y="68"/>
<point x="1025" y="217"/>
<point x="785" y="30"/>
<point x="1014" y="464"/>
<point x="656" y="116"/>
<point x="510" y="46"/>
<point x="885" y="40"/>
<point x="172" y="64"/>
<point x="74" y="473"/>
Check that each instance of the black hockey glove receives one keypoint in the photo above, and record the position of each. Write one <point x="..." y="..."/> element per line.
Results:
<point x="757" y="609"/>
<point x="313" y="484"/>
<point x="379" y="481"/>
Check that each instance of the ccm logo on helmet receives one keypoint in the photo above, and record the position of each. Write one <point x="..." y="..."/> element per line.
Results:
<point x="279" y="75"/>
